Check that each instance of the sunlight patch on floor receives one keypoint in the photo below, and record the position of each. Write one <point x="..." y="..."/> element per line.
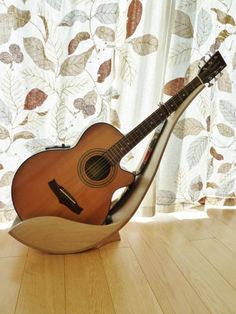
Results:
<point x="168" y="217"/>
<point x="5" y="225"/>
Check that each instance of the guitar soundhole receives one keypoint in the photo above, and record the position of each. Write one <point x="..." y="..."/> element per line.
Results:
<point x="94" y="169"/>
<point x="97" y="168"/>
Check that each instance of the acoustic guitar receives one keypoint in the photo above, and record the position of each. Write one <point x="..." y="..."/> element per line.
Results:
<point x="78" y="183"/>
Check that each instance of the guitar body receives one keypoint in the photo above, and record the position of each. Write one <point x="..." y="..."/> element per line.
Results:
<point x="83" y="179"/>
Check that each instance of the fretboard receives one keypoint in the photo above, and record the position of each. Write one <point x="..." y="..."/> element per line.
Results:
<point x="115" y="153"/>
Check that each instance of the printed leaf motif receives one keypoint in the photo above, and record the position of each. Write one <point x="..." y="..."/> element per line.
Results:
<point x="224" y="18"/>
<point x="183" y="26"/>
<point x="133" y="17"/>
<point x="208" y="123"/>
<point x="5" y="27"/>
<point x="202" y="200"/>
<point x="72" y="87"/>
<point x="107" y="13"/>
<point x="224" y="168"/>
<point x="35" y="49"/>
<point x="3" y="133"/>
<point x="18" y="17"/>
<point x="104" y="71"/>
<point x="23" y="135"/>
<point x="196" y="184"/>
<point x="61" y="119"/>
<point x="37" y="144"/>
<point x="91" y="98"/>
<point x="34" y="98"/>
<point x="105" y="33"/>
<point x="127" y="67"/>
<point x="45" y="23"/>
<point x="75" y="65"/>
<point x="75" y="41"/>
<point x="225" y="189"/>
<point x="187" y="126"/>
<point x="230" y="200"/>
<point x="212" y="185"/>
<point x="195" y="151"/>
<point x="11" y="88"/>
<point x="221" y="37"/>
<point x="74" y="16"/>
<point x="36" y="77"/>
<point x="191" y="71"/>
<point x="216" y="155"/>
<point x="55" y="4"/>
<point x="228" y="111"/>
<point x="234" y="61"/>
<point x="6" y="57"/>
<point x="173" y="87"/>
<point x="186" y="4"/>
<point x="87" y="104"/>
<point x="1" y="167"/>
<point x="195" y="188"/>
<point x="165" y="197"/>
<point x="180" y="53"/>
<point x="114" y="118"/>
<point x="145" y="44"/>
<point x="204" y="27"/>
<point x="224" y="82"/>
<point x="225" y="130"/>
<point x="5" y="114"/>
<point x="2" y="205"/>
<point x="6" y="179"/>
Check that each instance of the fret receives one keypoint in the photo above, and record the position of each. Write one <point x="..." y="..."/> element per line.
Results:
<point x="129" y="141"/>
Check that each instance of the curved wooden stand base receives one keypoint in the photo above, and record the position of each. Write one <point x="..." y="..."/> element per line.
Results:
<point x="60" y="236"/>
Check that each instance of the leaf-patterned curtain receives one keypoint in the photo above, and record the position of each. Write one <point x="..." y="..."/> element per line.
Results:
<point x="66" y="64"/>
<point x="202" y="169"/>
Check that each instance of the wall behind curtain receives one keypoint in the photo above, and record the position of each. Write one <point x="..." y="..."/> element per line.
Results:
<point x="67" y="64"/>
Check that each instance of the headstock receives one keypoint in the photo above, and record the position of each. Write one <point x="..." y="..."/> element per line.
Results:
<point x="212" y="67"/>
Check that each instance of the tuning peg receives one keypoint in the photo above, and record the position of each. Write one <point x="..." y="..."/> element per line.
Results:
<point x="203" y="59"/>
<point x="210" y="84"/>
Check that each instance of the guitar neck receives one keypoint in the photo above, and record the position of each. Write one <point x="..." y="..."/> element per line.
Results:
<point x="115" y="153"/>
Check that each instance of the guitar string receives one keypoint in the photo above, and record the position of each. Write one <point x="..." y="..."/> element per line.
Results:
<point x="98" y="167"/>
<point x="114" y="151"/>
<point x="200" y="81"/>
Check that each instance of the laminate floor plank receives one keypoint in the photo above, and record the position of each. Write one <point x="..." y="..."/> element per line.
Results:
<point x="171" y="289"/>
<point x="122" y="243"/>
<point x="194" y="229"/>
<point x="42" y="289"/>
<point x="223" y="233"/>
<point x="226" y="216"/>
<point x="130" y="290"/>
<point x="216" y="293"/>
<point x="87" y="291"/>
<point x="11" y="247"/>
<point x="11" y="270"/>
<point x="169" y="264"/>
<point x="220" y="257"/>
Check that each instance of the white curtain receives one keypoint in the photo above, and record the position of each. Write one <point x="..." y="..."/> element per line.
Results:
<point x="198" y="167"/>
<point x="67" y="64"/>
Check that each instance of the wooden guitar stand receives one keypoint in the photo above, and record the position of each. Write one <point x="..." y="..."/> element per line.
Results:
<point x="61" y="236"/>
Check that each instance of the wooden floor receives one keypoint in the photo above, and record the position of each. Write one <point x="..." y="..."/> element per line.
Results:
<point x="161" y="265"/>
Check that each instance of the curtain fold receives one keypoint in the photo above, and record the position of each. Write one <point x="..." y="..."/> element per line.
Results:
<point x="202" y="169"/>
<point x="66" y="64"/>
